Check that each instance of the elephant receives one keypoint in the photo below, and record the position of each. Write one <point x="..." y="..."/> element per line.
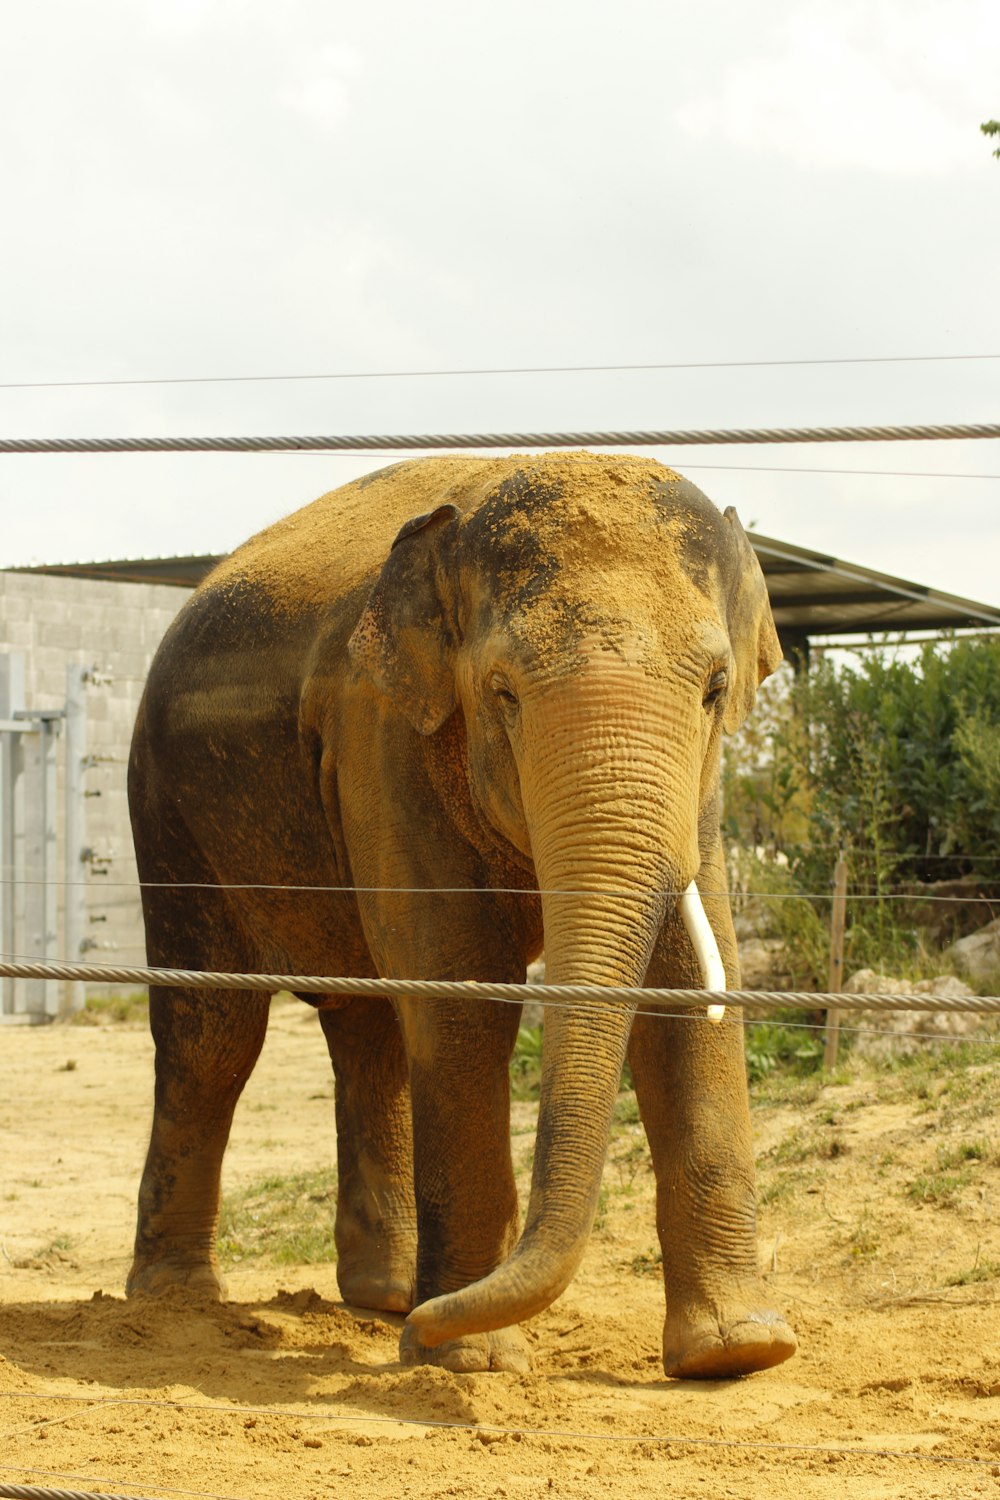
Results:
<point x="452" y="713"/>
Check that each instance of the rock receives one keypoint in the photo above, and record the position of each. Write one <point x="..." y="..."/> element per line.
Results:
<point x="902" y="1032"/>
<point x="978" y="955"/>
<point x="534" y="1012"/>
<point x="764" y="965"/>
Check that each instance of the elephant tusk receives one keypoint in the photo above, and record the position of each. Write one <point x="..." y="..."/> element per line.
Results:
<point x="713" y="971"/>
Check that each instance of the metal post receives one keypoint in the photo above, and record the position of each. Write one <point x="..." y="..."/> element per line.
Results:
<point x="75" y="889"/>
<point x="838" y="923"/>
<point x="11" y="702"/>
<point x="41" y="896"/>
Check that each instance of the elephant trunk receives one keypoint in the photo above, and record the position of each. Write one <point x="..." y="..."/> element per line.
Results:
<point x="614" y="837"/>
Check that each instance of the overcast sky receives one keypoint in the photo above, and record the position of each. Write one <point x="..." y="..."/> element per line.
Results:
<point x="227" y="187"/>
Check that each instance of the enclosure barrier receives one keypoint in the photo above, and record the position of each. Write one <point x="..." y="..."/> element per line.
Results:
<point x="677" y="437"/>
<point x="512" y="994"/>
<point x="37" y="1492"/>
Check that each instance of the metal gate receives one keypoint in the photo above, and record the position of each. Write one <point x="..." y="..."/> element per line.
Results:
<point x="31" y="872"/>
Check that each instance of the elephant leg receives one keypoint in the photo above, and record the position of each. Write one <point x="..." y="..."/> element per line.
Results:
<point x="467" y="1213"/>
<point x="376" y="1230"/>
<point x="690" y="1079"/>
<point x="207" y="1042"/>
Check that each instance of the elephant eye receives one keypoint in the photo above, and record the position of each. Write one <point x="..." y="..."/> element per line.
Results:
<point x="503" y="692"/>
<point x="715" y="689"/>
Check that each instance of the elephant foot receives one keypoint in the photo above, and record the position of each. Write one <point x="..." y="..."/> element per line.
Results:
<point x="156" y="1278"/>
<point x="736" y="1339"/>
<point x="362" y="1285"/>
<point x="504" y="1349"/>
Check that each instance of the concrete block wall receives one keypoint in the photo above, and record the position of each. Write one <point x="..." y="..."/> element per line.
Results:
<point x="113" y="628"/>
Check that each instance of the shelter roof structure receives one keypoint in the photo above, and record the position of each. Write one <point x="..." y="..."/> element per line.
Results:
<point x="812" y="593"/>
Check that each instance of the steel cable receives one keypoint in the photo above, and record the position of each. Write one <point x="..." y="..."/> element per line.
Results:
<point x="678" y="437"/>
<point x="467" y="989"/>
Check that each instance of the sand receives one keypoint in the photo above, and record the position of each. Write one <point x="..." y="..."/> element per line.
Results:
<point x="285" y="1392"/>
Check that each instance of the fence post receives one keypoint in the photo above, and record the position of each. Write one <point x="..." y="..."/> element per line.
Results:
<point x="838" y="922"/>
<point x="75" y="890"/>
<point x="12" y="665"/>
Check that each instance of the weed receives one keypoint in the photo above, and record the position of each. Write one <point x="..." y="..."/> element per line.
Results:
<point x="630" y="1162"/>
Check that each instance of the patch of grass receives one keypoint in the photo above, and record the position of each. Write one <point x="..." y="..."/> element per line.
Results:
<point x="626" y="1109"/>
<point x="950" y="1157"/>
<point x="601" y="1217"/>
<point x="938" y="1188"/>
<point x="526" y="1072"/>
<point x="980" y="1270"/>
<point x="287" y="1219"/>
<point x="630" y="1162"/>
<point x="646" y="1263"/>
<point x="108" y="1010"/>
<point x="526" y="1064"/>
<point x="784" y="1185"/>
<point x="864" y="1239"/>
<point x="782" y="1045"/>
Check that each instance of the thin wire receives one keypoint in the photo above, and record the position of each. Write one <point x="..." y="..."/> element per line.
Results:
<point x="735" y="468"/>
<point x="721" y="364"/>
<point x="542" y="1432"/>
<point x="100" y="884"/>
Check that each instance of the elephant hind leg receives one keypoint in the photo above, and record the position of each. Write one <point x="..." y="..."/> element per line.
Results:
<point x="376" y="1227"/>
<point x="207" y="1042"/>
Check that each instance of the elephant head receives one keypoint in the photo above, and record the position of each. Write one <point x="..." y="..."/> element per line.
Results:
<point x="599" y="625"/>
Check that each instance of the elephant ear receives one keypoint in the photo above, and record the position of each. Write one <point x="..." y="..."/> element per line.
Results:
<point x="752" y="636"/>
<point x="405" y="637"/>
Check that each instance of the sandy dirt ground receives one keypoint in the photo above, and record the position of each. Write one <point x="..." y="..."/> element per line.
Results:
<point x="885" y="1262"/>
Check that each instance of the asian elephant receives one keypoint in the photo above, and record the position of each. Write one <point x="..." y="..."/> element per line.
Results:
<point x="452" y="712"/>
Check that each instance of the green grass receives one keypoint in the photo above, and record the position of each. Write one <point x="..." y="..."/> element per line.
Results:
<point x="938" y="1188"/>
<point x="286" y="1219"/>
<point x="107" y="1009"/>
<point x="783" y="1044"/>
<point x="526" y="1064"/>
<point x="980" y="1270"/>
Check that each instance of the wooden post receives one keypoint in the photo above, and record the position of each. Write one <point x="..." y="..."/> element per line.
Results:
<point x="836" y="981"/>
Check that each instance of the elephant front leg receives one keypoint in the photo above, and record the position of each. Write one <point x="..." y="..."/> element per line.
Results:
<point x="690" y="1080"/>
<point x="467" y="1214"/>
<point x="376" y="1231"/>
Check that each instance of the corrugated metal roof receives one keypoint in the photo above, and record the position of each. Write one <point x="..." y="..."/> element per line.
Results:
<point x="812" y="593"/>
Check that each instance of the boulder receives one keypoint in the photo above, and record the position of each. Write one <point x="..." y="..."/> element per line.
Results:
<point x="902" y="1032"/>
<point x="978" y="955"/>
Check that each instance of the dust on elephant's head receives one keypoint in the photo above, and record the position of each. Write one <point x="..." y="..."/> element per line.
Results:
<point x="552" y="559"/>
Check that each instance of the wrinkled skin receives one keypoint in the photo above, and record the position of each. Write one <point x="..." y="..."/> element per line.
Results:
<point x="478" y="703"/>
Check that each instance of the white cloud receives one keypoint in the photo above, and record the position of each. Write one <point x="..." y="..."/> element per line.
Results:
<point x="321" y="93"/>
<point x="888" y="86"/>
